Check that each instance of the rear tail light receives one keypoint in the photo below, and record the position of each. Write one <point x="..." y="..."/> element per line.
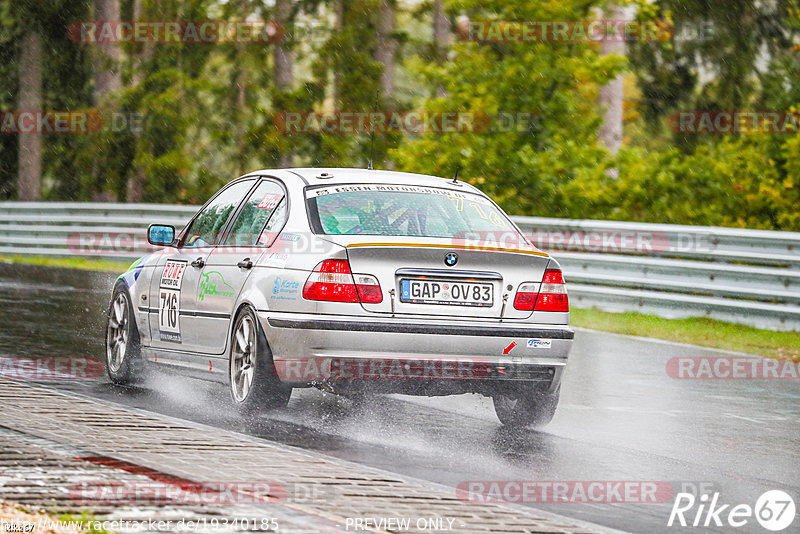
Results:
<point x="369" y="289"/>
<point x="333" y="281"/>
<point x="553" y="293"/>
<point x="526" y="296"/>
<point x="550" y="295"/>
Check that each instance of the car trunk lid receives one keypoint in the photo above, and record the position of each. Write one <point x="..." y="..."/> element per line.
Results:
<point x="442" y="276"/>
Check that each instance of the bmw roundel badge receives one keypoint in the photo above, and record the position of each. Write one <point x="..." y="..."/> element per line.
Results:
<point x="450" y="259"/>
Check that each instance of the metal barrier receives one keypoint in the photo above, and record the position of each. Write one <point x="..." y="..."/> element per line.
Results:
<point x="745" y="276"/>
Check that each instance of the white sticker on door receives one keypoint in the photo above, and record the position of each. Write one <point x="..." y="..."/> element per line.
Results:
<point x="172" y="277"/>
<point x="169" y="301"/>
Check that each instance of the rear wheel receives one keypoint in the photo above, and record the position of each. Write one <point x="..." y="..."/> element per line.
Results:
<point x="253" y="382"/>
<point x="123" y="354"/>
<point x="531" y="409"/>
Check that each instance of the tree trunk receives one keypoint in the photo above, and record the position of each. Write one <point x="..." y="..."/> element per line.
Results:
<point x="338" y="25"/>
<point x="611" y="95"/>
<point x="283" y="63"/>
<point x="138" y="180"/>
<point x="107" y="80"/>
<point x="386" y="47"/>
<point x="30" y="99"/>
<point x="441" y="38"/>
<point x="106" y="62"/>
<point x="240" y="108"/>
<point x="146" y="51"/>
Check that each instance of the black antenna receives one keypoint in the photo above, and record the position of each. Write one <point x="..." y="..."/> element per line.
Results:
<point x="455" y="178"/>
<point x="372" y="133"/>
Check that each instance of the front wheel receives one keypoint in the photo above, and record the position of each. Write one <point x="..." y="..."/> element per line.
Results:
<point x="123" y="354"/>
<point x="253" y="382"/>
<point x="530" y="409"/>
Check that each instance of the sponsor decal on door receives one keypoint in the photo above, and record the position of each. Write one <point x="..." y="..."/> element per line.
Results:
<point x="213" y="283"/>
<point x="169" y="301"/>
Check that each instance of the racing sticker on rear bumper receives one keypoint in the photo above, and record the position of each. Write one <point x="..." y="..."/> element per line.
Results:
<point x="540" y="343"/>
<point x="169" y="301"/>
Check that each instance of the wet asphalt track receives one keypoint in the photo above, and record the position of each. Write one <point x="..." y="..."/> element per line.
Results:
<point x="621" y="417"/>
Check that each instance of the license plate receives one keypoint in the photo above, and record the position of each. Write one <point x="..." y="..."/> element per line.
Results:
<point x="446" y="292"/>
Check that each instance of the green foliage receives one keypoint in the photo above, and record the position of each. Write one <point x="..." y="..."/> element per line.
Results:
<point x="204" y="114"/>
<point x="65" y="75"/>
<point x="554" y="167"/>
<point x="730" y="183"/>
<point x="346" y="57"/>
<point x="525" y="168"/>
<point x="729" y="40"/>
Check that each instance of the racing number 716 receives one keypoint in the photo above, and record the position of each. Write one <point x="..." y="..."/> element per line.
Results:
<point x="169" y="309"/>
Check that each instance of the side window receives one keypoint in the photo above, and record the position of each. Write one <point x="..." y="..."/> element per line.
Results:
<point x="205" y="229"/>
<point x="255" y="214"/>
<point x="274" y="225"/>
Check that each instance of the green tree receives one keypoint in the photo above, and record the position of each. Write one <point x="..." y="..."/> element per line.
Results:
<point x="64" y="70"/>
<point x="555" y="83"/>
<point x="719" y="56"/>
<point x="347" y="57"/>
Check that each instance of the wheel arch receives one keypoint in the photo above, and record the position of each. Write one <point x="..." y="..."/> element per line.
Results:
<point x="240" y="306"/>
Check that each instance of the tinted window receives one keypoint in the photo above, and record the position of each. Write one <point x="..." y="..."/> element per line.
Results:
<point x="256" y="211"/>
<point x="205" y="229"/>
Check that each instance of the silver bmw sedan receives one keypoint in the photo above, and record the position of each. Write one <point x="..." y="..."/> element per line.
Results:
<point x="351" y="280"/>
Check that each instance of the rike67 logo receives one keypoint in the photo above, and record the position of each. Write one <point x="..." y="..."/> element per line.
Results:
<point x="774" y="510"/>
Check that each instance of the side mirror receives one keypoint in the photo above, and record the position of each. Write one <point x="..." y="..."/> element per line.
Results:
<point x="160" y="234"/>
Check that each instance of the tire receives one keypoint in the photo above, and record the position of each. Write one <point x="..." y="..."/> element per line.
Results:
<point x="529" y="410"/>
<point x="124" y="363"/>
<point x="254" y="385"/>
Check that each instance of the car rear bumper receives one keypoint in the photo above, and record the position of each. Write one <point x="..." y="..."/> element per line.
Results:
<point x="418" y="355"/>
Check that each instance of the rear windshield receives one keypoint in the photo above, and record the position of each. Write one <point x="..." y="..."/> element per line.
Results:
<point x="398" y="210"/>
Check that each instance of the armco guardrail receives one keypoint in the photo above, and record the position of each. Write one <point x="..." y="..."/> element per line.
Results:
<point x="746" y="276"/>
<point x="98" y="230"/>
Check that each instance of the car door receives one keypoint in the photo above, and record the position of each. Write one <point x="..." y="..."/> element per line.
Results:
<point x="174" y="287"/>
<point x="231" y="262"/>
